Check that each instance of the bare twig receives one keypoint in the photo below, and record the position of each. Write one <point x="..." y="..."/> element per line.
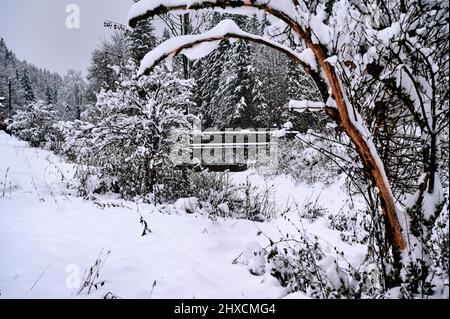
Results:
<point x="151" y="291"/>
<point x="42" y="274"/>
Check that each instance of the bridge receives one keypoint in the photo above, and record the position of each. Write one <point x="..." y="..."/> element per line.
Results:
<point x="232" y="150"/>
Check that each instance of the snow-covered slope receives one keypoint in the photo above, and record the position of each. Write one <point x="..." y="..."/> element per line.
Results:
<point x="48" y="235"/>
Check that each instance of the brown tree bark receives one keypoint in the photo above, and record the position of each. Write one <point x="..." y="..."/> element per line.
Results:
<point x="371" y="164"/>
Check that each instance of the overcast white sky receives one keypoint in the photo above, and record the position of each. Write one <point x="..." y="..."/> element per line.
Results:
<point x="35" y="30"/>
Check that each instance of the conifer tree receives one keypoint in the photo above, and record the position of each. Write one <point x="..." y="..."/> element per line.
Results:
<point x="234" y="97"/>
<point x="25" y="82"/>
<point x="142" y="40"/>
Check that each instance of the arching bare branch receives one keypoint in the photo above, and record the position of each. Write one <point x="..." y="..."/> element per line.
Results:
<point x="225" y="30"/>
<point x="149" y="8"/>
<point x="347" y="117"/>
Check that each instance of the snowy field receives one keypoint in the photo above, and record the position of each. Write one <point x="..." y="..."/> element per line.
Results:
<point x="49" y="237"/>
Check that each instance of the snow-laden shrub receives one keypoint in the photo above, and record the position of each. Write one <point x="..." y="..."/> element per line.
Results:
<point x="303" y="262"/>
<point x="218" y="195"/>
<point x="312" y="210"/>
<point x="309" y="159"/>
<point x="438" y="245"/>
<point x="90" y="180"/>
<point x="354" y="225"/>
<point x="426" y="266"/>
<point x="77" y="139"/>
<point x="127" y="136"/>
<point x="321" y="271"/>
<point x="35" y="124"/>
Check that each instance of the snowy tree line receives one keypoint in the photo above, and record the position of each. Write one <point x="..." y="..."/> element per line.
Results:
<point x="243" y="84"/>
<point x="31" y="84"/>
<point x="118" y="127"/>
<point x="260" y="81"/>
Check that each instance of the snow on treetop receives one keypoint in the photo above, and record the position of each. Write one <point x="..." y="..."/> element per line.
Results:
<point x="141" y="7"/>
<point x="197" y="46"/>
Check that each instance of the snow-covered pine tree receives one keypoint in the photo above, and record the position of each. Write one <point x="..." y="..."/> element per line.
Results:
<point x="263" y="114"/>
<point x="165" y="35"/>
<point x="72" y="95"/>
<point x="254" y="25"/>
<point x="208" y="74"/>
<point x="234" y="99"/>
<point x="51" y="95"/>
<point x="262" y="90"/>
<point x="27" y="86"/>
<point x="263" y="24"/>
<point x="112" y="54"/>
<point x="299" y="85"/>
<point x="142" y="40"/>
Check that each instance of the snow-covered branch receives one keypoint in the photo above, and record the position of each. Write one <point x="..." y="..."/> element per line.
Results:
<point x="282" y="9"/>
<point x="197" y="46"/>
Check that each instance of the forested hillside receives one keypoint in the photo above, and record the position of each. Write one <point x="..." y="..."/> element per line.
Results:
<point x="28" y="82"/>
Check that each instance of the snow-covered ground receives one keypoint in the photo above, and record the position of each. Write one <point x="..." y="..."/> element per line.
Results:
<point x="48" y="236"/>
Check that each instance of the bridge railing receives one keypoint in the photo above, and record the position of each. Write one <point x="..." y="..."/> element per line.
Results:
<point x="229" y="149"/>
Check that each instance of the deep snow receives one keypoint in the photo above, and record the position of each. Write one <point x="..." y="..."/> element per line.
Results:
<point x="47" y="234"/>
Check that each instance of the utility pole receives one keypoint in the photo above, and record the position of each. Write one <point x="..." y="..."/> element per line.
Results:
<point x="9" y="99"/>
<point x="185" y="30"/>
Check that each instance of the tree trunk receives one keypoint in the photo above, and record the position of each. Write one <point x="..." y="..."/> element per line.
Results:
<point x="369" y="158"/>
<point x="186" y="26"/>
<point x="433" y="163"/>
